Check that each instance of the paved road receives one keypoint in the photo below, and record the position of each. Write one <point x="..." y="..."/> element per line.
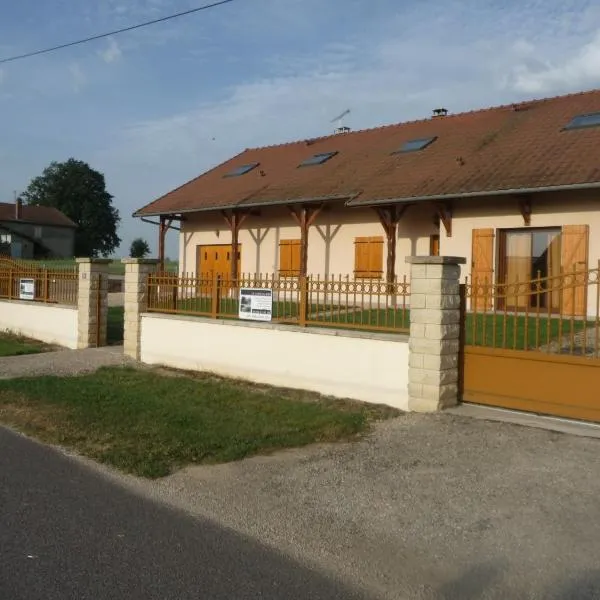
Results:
<point x="69" y="533"/>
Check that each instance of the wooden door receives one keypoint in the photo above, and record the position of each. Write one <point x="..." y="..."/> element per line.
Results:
<point x="574" y="245"/>
<point x="216" y="258"/>
<point x="482" y="268"/>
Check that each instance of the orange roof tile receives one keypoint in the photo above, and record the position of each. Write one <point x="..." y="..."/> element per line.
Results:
<point x="506" y="148"/>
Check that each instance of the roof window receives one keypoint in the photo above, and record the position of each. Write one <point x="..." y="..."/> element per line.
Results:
<point x="317" y="159"/>
<point x="242" y="170"/>
<point x="583" y="121"/>
<point x="415" y="145"/>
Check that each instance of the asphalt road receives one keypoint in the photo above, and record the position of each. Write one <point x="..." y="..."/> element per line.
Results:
<point x="66" y="533"/>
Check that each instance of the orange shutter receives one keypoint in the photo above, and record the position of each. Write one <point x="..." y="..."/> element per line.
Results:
<point x="376" y="256"/>
<point x="482" y="267"/>
<point x="368" y="256"/>
<point x="289" y="258"/>
<point x="574" y="262"/>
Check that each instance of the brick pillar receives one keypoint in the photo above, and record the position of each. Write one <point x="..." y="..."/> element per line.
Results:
<point x="92" y="302"/>
<point x="434" y="332"/>
<point x="136" y="301"/>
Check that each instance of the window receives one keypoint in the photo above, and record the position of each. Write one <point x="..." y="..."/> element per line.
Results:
<point x="241" y="170"/>
<point x="289" y="258"/>
<point x="415" y="145"/>
<point x="368" y="257"/>
<point x="317" y="159"/>
<point x="583" y="121"/>
<point x="525" y="255"/>
<point x="37" y="232"/>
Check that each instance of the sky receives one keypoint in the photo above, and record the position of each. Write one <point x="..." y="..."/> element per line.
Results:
<point x="156" y="107"/>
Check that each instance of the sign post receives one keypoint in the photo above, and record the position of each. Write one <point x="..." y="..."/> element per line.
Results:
<point x="256" y="304"/>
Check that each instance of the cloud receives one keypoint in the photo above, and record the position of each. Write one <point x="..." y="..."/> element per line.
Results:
<point x="112" y="53"/>
<point x="78" y="78"/>
<point x="581" y="70"/>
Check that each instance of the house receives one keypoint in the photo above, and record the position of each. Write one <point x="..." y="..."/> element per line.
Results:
<point x="515" y="189"/>
<point x="35" y="231"/>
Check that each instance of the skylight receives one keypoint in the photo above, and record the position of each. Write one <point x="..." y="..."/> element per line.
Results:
<point x="416" y="145"/>
<point x="242" y="170"/>
<point x="583" y="121"/>
<point x="317" y="159"/>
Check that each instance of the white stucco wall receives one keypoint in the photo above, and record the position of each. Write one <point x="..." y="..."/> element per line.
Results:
<point x="364" y="367"/>
<point x="339" y="226"/>
<point x="45" y="322"/>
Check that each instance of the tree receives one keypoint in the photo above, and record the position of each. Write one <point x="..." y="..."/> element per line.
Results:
<point x="79" y="191"/>
<point x="139" y="248"/>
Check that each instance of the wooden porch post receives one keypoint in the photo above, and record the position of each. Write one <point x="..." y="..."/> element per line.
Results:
<point x="234" y="220"/>
<point x="305" y="217"/>
<point x="390" y="216"/>
<point x="163" y="227"/>
<point x="162" y="232"/>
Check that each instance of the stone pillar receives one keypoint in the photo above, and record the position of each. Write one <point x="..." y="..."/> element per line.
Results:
<point x="136" y="301"/>
<point x="434" y="332"/>
<point x="92" y="302"/>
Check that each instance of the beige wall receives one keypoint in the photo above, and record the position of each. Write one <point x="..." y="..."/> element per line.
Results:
<point x="331" y="238"/>
<point x="49" y="323"/>
<point x="364" y="367"/>
<point x="548" y="210"/>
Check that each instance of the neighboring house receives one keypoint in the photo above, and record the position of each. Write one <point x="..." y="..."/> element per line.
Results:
<point x="35" y="232"/>
<point x="515" y="189"/>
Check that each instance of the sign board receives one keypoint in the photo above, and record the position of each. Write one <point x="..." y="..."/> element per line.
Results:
<point x="26" y="289"/>
<point x="256" y="304"/>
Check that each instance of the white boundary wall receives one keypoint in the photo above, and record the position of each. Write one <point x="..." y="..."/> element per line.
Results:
<point x="362" y="366"/>
<point x="50" y="323"/>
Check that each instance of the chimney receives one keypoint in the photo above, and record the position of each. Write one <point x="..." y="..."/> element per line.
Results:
<point x="18" y="209"/>
<point x="440" y="112"/>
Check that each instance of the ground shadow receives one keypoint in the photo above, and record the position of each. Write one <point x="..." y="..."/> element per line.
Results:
<point x="474" y="582"/>
<point x="70" y="532"/>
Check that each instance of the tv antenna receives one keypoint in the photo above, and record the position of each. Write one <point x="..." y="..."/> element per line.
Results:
<point x="340" y="122"/>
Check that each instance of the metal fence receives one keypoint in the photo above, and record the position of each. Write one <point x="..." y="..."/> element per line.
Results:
<point x="24" y="279"/>
<point x="557" y="314"/>
<point x="341" y="302"/>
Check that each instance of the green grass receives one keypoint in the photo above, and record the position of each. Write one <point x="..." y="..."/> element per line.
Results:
<point x="115" y="324"/>
<point x="148" y="423"/>
<point x="15" y="345"/>
<point x="517" y="332"/>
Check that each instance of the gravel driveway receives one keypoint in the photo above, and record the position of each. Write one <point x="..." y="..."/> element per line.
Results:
<point x="439" y="507"/>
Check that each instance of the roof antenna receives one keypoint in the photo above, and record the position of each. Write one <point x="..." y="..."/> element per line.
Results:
<point x="341" y="128"/>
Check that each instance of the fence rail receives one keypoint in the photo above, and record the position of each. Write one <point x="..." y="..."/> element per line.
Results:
<point x="58" y="286"/>
<point x="364" y="304"/>
<point x="557" y="314"/>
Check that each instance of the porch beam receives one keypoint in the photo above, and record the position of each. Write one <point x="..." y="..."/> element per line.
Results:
<point x="525" y="208"/>
<point x="164" y="225"/>
<point x="389" y="217"/>
<point x="444" y="212"/>
<point x="304" y="216"/>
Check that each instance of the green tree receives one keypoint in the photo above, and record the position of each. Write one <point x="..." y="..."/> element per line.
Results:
<point x="79" y="191"/>
<point x="139" y="248"/>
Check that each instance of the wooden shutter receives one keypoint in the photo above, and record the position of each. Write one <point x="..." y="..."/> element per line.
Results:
<point x="482" y="267"/>
<point x="574" y="263"/>
<point x="368" y="256"/>
<point x="289" y="258"/>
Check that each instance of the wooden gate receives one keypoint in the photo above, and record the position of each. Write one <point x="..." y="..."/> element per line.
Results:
<point x="536" y="359"/>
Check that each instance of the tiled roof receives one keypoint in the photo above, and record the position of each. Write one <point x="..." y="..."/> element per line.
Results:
<point x="38" y="215"/>
<point x="512" y="147"/>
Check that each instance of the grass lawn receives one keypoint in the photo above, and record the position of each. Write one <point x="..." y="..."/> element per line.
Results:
<point x="15" y="345"/>
<point x="149" y="424"/>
